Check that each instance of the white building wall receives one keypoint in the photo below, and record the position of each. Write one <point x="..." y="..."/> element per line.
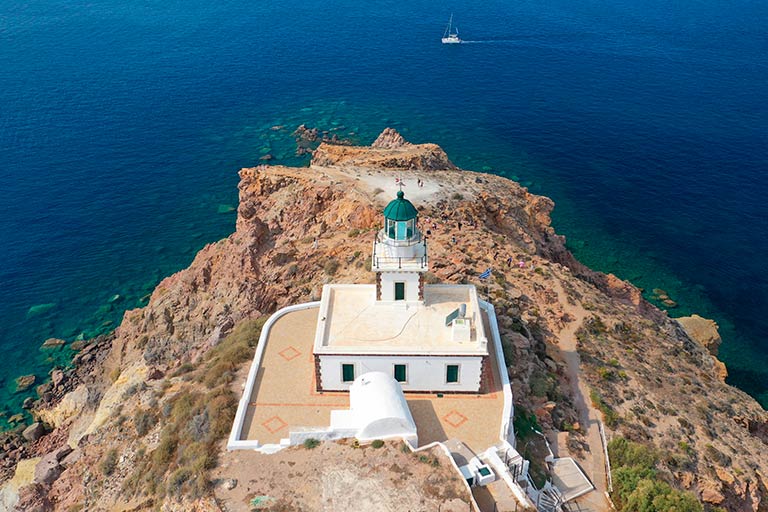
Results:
<point x="425" y="373"/>
<point x="411" y="280"/>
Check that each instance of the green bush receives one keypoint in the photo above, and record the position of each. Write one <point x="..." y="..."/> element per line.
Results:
<point x="636" y="483"/>
<point x="144" y="420"/>
<point x="624" y="452"/>
<point x="524" y="423"/>
<point x="377" y="443"/>
<point x="311" y="443"/>
<point x="657" y="496"/>
<point x="610" y="416"/>
<point x="178" y="479"/>
<point x="109" y="462"/>
<point x="331" y="267"/>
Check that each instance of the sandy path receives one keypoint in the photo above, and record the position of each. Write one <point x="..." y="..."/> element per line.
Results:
<point x="589" y="417"/>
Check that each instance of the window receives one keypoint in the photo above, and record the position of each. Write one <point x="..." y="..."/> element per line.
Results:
<point x="347" y="372"/>
<point x="399" y="291"/>
<point x="400" y="373"/>
<point x="402" y="230"/>
<point x="391" y="228"/>
<point x="452" y="373"/>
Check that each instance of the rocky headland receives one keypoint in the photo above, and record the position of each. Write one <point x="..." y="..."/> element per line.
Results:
<point x="139" y="420"/>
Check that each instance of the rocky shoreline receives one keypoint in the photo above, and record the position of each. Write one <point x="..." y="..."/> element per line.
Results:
<point x="569" y="333"/>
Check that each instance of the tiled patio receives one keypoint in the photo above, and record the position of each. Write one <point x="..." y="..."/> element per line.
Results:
<point x="284" y="395"/>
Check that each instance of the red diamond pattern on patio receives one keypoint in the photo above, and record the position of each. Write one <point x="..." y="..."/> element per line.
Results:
<point x="289" y="353"/>
<point x="455" y="419"/>
<point x="274" y="424"/>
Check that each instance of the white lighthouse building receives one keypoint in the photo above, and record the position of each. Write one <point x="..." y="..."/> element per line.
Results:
<point x="429" y="338"/>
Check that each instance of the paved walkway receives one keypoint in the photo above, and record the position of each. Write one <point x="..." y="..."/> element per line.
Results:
<point x="284" y="392"/>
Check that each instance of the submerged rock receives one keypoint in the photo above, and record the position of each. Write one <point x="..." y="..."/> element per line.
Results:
<point x="53" y="342"/>
<point x="24" y="382"/>
<point x="40" y="309"/>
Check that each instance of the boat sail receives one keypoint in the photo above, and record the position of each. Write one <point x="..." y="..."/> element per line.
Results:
<point x="451" y="36"/>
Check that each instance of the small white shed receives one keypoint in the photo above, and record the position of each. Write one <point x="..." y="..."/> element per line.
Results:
<point x="377" y="410"/>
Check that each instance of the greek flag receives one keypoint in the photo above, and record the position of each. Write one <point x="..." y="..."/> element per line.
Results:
<point x="486" y="274"/>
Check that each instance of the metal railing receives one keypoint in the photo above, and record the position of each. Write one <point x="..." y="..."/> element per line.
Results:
<point x="379" y="261"/>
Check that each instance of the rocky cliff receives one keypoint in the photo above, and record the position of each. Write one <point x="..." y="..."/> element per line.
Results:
<point x="137" y="423"/>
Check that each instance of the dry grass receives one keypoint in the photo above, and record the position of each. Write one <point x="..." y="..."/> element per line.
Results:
<point x="193" y="420"/>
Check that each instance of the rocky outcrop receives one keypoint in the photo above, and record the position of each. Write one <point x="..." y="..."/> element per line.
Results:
<point x="390" y="151"/>
<point x="389" y="139"/>
<point x="291" y="223"/>
<point x="702" y="330"/>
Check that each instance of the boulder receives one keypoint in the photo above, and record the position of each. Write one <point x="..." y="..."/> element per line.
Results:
<point x="29" y="402"/>
<point x="71" y="458"/>
<point x="57" y="377"/>
<point x="62" y="452"/>
<point x="47" y="470"/>
<point x="155" y="374"/>
<point x="34" y="432"/>
<point x="702" y="330"/>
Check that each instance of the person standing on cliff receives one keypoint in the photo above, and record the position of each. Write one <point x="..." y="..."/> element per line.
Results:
<point x="314" y="244"/>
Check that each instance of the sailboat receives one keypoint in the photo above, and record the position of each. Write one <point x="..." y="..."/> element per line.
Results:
<point x="451" y="36"/>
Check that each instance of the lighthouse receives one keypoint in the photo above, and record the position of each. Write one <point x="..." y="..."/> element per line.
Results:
<point x="400" y="254"/>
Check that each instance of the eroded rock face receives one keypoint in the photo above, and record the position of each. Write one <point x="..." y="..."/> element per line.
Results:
<point x="389" y="139"/>
<point x="702" y="330"/>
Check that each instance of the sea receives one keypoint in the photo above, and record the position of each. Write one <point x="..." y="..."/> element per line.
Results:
<point x="123" y="126"/>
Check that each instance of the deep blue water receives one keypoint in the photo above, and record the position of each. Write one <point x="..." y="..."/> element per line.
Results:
<point x="123" y="125"/>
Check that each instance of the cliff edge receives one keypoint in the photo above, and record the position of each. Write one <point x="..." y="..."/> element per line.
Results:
<point x="138" y="422"/>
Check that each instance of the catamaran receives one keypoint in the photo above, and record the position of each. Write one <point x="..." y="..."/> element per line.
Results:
<point x="451" y="36"/>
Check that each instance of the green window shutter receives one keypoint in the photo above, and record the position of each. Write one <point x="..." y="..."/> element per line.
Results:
<point x="400" y="375"/>
<point x="347" y="372"/>
<point x="399" y="291"/>
<point x="452" y="373"/>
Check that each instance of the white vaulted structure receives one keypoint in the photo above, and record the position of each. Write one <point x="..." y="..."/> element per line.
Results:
<point x="377" y="410"/>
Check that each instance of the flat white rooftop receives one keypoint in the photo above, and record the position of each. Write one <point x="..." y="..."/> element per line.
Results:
<point x="351" y="321"/>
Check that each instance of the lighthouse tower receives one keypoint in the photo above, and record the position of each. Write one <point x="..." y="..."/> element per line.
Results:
<point x="400" y="254"/>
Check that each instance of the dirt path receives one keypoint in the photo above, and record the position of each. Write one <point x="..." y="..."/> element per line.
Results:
<point x="589" y="417"/>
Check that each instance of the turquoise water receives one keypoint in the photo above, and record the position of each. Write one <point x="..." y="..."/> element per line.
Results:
<point x="123" y="127"/>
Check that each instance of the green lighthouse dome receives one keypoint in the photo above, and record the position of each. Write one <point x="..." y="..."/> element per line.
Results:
<point x="400" y="209"/>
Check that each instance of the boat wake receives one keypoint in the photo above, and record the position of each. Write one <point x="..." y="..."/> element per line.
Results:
<point x="490" y="41"/>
